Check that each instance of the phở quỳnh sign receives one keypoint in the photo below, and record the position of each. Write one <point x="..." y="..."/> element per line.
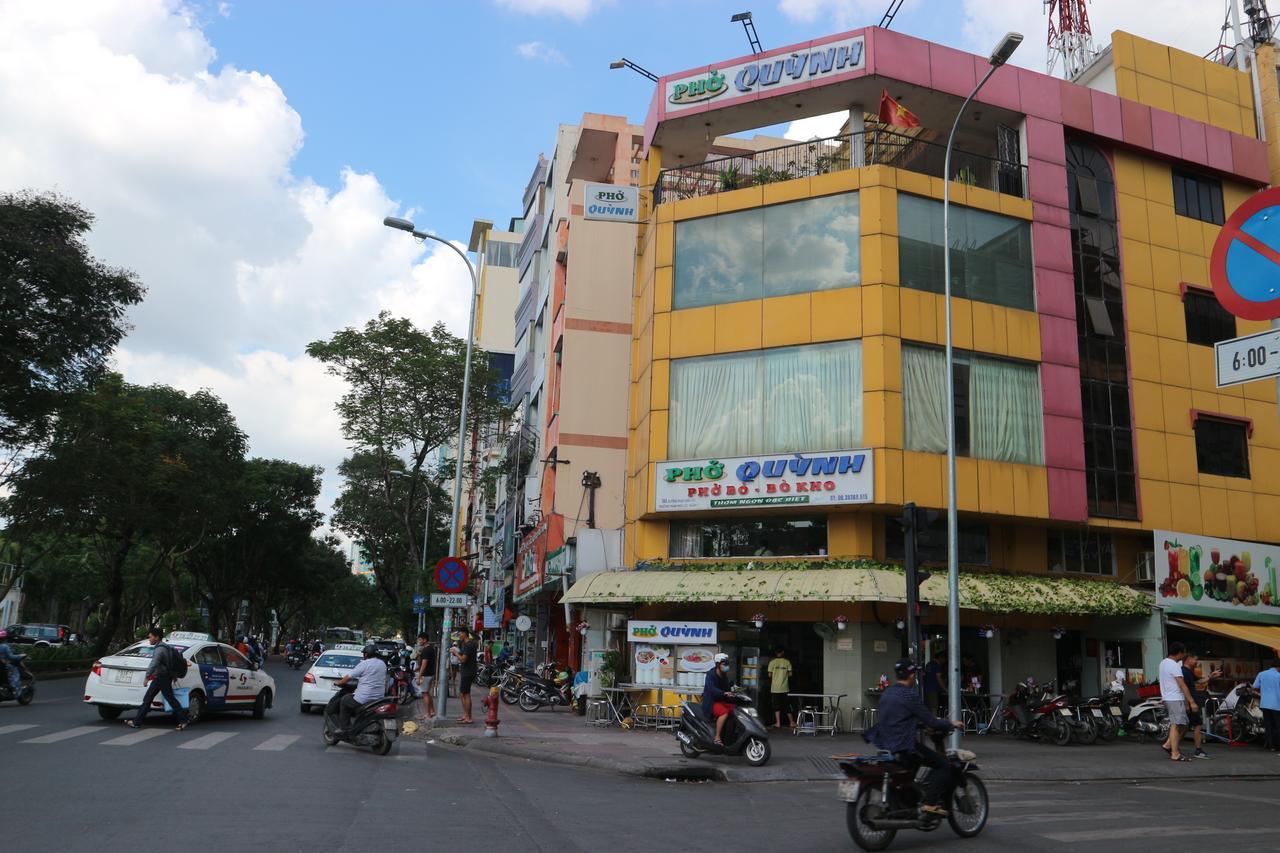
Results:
<point x="611" y="203"/>
<point x="801" y="479"/>
<point x="739" y="80"/>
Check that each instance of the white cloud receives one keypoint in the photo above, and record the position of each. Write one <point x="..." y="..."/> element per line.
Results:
<point x="224" y="9"/>
<point x="576" y="10"/>
<point x="542" y="52"/>
<point x="819" y="127"/>
<point x="189" y="172"/>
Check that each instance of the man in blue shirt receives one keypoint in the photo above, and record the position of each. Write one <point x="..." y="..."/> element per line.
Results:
<point x="901" y="713"/>
<point x="9" y="662"/>
<point x="1268" y="683"/>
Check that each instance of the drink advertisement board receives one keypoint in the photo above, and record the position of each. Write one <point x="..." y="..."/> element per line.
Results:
<point x="1206" y="576"/>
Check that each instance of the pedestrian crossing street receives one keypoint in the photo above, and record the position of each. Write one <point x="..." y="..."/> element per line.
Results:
<point x="194" y="739"/>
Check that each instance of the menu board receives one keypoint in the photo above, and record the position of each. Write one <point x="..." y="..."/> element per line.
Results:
<point x="654" y="664"/>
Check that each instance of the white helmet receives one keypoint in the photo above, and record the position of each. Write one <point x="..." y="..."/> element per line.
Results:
<point x="721" y="658"/>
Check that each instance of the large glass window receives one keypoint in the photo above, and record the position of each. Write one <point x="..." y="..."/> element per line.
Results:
<point x="990" y="253"/>
<point x="749" y="537"/>
<point x="499" y="254"/>
<point x="1085" y="551"/>
<point x="998" y="408"/>
<point x="788" y="399"/>
<point x="1207" y="321"/>
<point x="770" y="251"/>
<point x="931" y="543"/>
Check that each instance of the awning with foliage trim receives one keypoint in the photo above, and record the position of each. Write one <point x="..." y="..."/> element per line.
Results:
<point x="990" y="593"/>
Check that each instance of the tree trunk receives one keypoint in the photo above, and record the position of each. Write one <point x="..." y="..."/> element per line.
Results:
<point x="115" y="600"/>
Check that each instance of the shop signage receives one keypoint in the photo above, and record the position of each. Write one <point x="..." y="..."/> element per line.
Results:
<point x="1248" y="358"/>
<point x="743" y="79"/>
<point x="686" y="633"/>
<point x="531" y="559"/>
<point x="802" y="479"/>
<point x="1204" y="576"/>
<point x="611" y="203"/>
<point x="557" y="563"/>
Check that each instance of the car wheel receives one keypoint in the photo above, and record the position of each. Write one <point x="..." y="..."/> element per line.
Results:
<point x="108" y="713"/>
<point x="304" y="708"/>
<point x="195" y="707"/>
<point x="260" y="704"/>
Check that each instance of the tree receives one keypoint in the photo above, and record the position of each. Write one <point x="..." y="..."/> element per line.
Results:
<point x="404" y="390"/>
<point x="62" y="311"/>
<point x="128" y="465"/>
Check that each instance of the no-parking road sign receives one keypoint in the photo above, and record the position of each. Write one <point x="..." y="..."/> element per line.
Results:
<point x="451" y="574"/>
<point x="1245" y="267"/>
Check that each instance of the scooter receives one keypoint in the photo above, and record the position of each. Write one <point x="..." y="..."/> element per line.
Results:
<point x="882" y="797"/>
<point x="743" y="733"/>
<point x="295" y="659"/>
<point x="543" y="691"/>
<point x="1149" y="719"/>
<point x="1035" y="715"/>
<point x="26" y="682"/>
<point x="1242" y="723"/>
<point x="374" y="724"/>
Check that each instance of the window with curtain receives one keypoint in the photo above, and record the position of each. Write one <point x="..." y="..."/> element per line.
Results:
<point x="990" y="253"/>
<point x="749" y="537"/>
<point x="769" y="251"/>
<point x="788" y="399"/>
<point x="998" y="406"/>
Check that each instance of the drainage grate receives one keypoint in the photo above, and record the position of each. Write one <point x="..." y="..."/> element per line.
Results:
<point x="825" y="765"/>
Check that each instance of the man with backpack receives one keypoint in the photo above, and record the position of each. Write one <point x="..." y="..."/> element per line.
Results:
<point x="167" y="665"/>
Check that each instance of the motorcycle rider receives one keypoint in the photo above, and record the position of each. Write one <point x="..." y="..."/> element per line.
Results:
<point x="9" y="662"/>
<point x="901" y="713"/>
<point x="715" y="695"/>
<point x="370" y="676"/>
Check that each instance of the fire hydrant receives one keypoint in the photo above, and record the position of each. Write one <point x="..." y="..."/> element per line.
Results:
<point x="491" y="718"/>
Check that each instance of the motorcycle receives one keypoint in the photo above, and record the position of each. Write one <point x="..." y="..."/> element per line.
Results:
<point x="295" y="659"/>
<point x="542" y="691"/>
<point x="1034" y="715"/>
<point x="743" y="732"/>
<point x="1083" y="722"/>
<point x="1241" y="723"/>
<point x="26" y="682"/>
<point x="374" y="724"/>
<point x="1149" y="719"/>
<point x="513" y="680"/>
<point x="882" y="797"/>
<point x="400" y="683"/>
<point x="1108" y="713"/>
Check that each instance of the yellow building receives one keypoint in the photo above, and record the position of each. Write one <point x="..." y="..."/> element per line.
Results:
<point x="789" y="319"/>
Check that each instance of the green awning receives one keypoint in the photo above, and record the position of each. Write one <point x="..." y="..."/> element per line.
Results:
<point x="985" y="592"/>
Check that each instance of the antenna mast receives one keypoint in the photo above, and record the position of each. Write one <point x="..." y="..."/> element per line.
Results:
<point x="1070" y="37"/>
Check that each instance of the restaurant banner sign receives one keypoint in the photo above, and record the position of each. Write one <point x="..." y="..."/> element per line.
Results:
<point x="801" y="479"/>
<point x="684" y="633"/>
<point x="1228" y="578"/>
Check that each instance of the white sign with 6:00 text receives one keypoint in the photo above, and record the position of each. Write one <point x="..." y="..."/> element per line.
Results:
<point x="1248" y="358"/>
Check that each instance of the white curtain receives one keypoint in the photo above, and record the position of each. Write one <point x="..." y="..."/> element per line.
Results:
<point x="924" y="399"/>
<point x="813" y="397"/>
<point x="1005" y="411"/>
<point x="716" y="406"/>
<point x="686" y="539"/>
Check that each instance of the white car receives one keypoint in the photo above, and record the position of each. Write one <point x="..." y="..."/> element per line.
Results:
<point x="218" y="678"/>
<point x="319" y="684"/>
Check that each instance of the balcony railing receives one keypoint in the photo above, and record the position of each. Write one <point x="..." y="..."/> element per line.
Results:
<point x="823" y="156"/>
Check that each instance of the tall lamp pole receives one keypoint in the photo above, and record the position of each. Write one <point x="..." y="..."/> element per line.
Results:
<point x="442" y="657"/>
<point x="998" y="57"/>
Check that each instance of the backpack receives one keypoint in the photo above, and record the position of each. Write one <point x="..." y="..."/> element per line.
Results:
<point x="177" y="663"/>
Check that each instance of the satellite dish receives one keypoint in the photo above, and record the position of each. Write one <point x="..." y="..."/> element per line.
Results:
<point x="823" y="630"/>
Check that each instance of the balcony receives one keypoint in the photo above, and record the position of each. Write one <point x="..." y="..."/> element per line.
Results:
<point x="823" y="156"/>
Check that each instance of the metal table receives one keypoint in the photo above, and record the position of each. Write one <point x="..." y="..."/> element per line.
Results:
<point x="823" y="713"/>
<point x="618" y="698"/>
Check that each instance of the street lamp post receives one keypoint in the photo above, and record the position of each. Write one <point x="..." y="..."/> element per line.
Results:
<point x="998" y="57"/>
<point x="442" y="657"/>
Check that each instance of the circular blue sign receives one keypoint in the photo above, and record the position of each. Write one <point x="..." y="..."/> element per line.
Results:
<point x="451" y="574"/>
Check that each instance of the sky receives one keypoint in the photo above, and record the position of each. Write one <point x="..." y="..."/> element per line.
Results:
<point x="240" y="154"/>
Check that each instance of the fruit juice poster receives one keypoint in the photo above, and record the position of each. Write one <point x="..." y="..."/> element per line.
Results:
<point x="1199" y="574"/>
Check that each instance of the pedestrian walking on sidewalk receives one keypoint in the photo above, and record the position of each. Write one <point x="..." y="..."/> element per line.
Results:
<point x="164" y="668"/>
<point x="1268" y="684"/>
<point x="779" y="687"/>
<point x="1197" y="686"/>
<point x="467" y="652"/>
<point x="424" y="656"/>
<point x="1178" y="701"/>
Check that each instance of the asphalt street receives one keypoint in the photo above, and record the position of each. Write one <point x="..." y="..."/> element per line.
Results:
<point x="232" y="783"/>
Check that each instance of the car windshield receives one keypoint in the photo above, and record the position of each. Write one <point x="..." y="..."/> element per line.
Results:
<point x="338" y="661"/>
<point x="145" y="650"/>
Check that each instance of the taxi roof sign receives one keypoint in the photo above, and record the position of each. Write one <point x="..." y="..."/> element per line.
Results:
<point x="188" y="637"/>
<point x="347" y="647"/>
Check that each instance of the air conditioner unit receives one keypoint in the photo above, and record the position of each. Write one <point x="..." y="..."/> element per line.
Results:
<point x="1144" y="568"/>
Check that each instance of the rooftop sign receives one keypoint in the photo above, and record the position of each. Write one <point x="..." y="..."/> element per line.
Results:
<point x="743" y="79"/>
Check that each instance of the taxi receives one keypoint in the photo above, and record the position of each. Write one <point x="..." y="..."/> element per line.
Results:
<point x="218" y="678"/>
<point x="320" y="682"/>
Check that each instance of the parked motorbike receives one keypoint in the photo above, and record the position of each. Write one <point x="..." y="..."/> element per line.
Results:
<point x="1149" y="719"/>
<point x="513" y="680"/>
<point x="1083" y="723"/>
<point x="743" y="732"/>
<point x="374" y="725"/>
<point x="882" y="798"/>
<point x="546" y="691"/>
<point x="1241" y="723"/>
<point x="1033" y="714"/>
<point x="400" y="683"/>
<point x="26" y="682"/>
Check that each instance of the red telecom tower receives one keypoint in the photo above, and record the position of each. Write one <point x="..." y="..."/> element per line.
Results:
<point x="1070" y="37"/>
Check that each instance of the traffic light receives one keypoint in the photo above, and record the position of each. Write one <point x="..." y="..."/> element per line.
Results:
<point x="914" y="521"/>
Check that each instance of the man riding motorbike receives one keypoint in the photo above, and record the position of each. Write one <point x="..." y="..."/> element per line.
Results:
<point x="715" y="695"/>
<point x="9" y="663"/>
<point x="901" y="712"/>
<point x="370" y="676"/>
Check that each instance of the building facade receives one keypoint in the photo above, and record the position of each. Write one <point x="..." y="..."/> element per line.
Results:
<point x="788" y="382"/>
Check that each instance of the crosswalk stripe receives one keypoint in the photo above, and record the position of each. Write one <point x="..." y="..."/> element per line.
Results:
<point x="277" y="743"/>
<point x="208" y="741"/>
<point x="135" y="737"/>
<point x="65" y="735"/>
<point x="16" y="727"/>
<point x="1149" y="831"/>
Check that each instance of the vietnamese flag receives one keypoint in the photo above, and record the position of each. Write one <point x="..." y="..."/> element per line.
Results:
<point x="894" y="113"/>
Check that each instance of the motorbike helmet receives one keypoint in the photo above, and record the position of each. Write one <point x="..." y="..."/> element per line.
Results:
<point x="720" y="658"/>
<point x="370" y="650"/>
<point x="905" y="667"/>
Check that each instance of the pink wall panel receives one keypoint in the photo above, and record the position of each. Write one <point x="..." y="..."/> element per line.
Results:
<point x="1064" y="439"/>
<point x="951" y="70"/>
<point x="1060" y="385"/>
<point x="1002" y="89"/>
<point x="1165" y="133"/>
<point x="1055" y="293"/>
<point x="1044" y="140"/>
<point x="1194" y="147"/>
<point x="901" y="57"/>
<point x="1058" y="344"/>
<point x="1249" y="157"/>
<point x="1077" y="106"/>
<point x="1067" y="499"/>
<point x="1107" y="120"/>
<point x="1136" y="120"/>
<point x="1048" y="182"/>
<point x="1219" y="144"/>
<point x="1051" y="246"/>
<point x="1039" y="95"/>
